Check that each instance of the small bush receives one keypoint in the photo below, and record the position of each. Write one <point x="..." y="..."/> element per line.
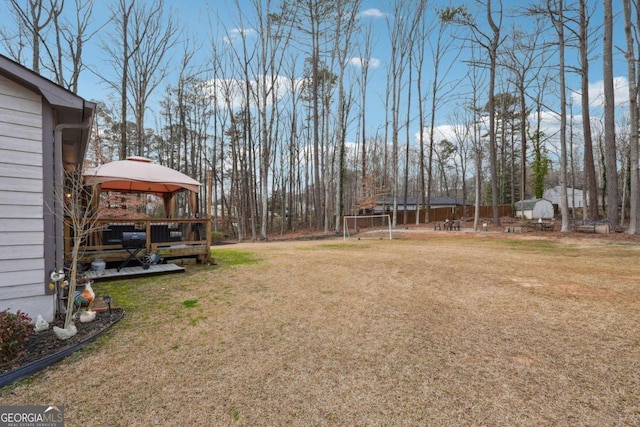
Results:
<point x="14" y="332"/>
<point x="217" y="237"/>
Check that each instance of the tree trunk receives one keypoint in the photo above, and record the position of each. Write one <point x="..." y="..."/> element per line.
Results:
<point x="564" y="206"/>
<point x="493" y="161"/>
<point x="609" y="118"/>
<point x="591" y="202"/>
<point x="634" y="216"/>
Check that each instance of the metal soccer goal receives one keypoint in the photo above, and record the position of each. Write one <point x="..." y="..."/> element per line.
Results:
<point x="361" y="225"/>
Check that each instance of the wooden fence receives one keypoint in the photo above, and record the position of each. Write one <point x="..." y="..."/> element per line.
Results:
<point x="451" y="213"/>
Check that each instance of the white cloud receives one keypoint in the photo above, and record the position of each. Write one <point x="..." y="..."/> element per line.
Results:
<point x="596" y="93"/>
<point x="226" y="92"/>
<point x="440" y="133"/>
<point x="372" y="13"/>
<point x="444" y="132"/>
<point x="231" y="92"/>
<point x="235" y="33"/>
<point x="373" y="63"/>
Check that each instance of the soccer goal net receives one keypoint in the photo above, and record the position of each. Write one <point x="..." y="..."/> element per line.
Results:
<point x="366" y="226"/>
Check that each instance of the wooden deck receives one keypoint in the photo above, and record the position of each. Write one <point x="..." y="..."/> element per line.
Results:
<point x="168" y="237"/>
<point x="166" y="252"/>
<point x="130" y="272"/>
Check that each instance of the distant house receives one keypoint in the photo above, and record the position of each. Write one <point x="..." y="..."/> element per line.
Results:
<point x="385" y="204"/>
<point x="575" y="198"/>
<point x="534" y="209"/>
<point x="43" y="129"/>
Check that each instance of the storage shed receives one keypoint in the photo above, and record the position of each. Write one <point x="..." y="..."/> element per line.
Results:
<point x="575" y="197"/>
<point x="534" y="209"/>
<point x="44" y="130"/>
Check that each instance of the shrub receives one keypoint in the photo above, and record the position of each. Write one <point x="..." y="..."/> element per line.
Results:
<point x="217" y="237"/>
<point x="14" y="332"/>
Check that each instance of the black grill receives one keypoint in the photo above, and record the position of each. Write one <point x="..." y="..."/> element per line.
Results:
<point x="134" y="239"/>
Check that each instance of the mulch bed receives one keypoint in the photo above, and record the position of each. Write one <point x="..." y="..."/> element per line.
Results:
<point x="46" y="343"/>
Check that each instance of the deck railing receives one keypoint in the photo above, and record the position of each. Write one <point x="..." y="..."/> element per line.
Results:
<point x="184" y="236"/>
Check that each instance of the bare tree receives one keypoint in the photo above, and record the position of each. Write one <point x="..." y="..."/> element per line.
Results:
<point x="477" y="80"/>
<point x="490" y="42"/>
<point x="60" y="51"/>
<point x="589" y="165"/>
<point x="118" y="48"/>
<point x="525" y="58"/>
<point x="555" y="10"/>
<point x="154" y="33"/>
<point x="56" y="59"/>
<point x="270" y="50"/>
<point x="80" y="211"/>
<point x="363" y="81"/>
<point x="419" y="54"/>
<point x="315" y="20"/>
<point x="634" y="217"/>
<point x="462" y="125"/>
<point x="492" y="48"/>
<point x="443" y="45"/>
<point x="410" y="45"/>
<point x="15" y="43"/>
<point x="399" y="27"/>
<point x="609" y="117"/>
<point x="293" y="165"/>
<point x="36" y="17"/>
<point x="346" y="27"/>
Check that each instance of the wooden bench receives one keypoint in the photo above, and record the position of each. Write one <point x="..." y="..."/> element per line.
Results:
<point x="585" y="228"/>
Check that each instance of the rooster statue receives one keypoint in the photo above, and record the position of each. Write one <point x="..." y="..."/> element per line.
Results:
<point x="82" y="300"/>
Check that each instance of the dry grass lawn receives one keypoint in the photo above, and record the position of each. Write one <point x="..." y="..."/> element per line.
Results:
<point x="432" y="329"/>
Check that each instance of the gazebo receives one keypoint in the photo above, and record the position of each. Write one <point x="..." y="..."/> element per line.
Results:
<point x="169" y="237"/>
<point x="141" y="175"/>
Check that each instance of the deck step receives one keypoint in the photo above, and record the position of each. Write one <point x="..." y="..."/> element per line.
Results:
<point x="137" y="271"/>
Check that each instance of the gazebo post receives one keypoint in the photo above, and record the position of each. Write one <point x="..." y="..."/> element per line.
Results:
<point x="169" y="204"/>
<point x="208" y="211"/>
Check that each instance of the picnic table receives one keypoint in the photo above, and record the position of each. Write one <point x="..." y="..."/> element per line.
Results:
<point x="447" y="225"/>
<point x="452" y="225"/>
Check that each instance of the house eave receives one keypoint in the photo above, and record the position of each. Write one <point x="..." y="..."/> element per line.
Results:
<point x="56" y="95"/>
<point x="68" y="108"/>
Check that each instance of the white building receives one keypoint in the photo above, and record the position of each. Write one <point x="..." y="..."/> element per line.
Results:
<point x="534" y="209"/>
<point x="575" y="197"/>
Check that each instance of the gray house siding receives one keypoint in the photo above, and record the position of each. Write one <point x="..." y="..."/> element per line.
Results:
<point x="22" y="230"/>
<point x="43" y="129"/>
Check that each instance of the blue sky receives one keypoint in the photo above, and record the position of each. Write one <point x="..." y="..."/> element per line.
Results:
<point x="208" y="20"/>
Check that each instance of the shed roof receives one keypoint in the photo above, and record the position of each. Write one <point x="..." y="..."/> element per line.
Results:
<point x="528" y="204"/>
